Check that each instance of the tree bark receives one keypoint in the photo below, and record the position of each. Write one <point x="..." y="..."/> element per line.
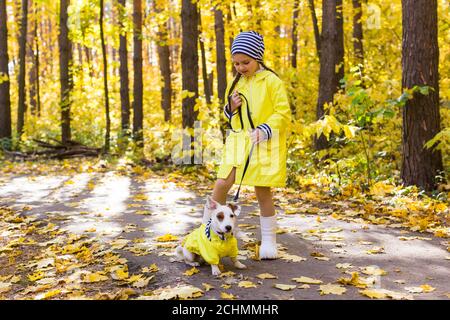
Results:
<point x="5" y="98"/>
<point x="221" y="61"/>
<point x="189" y="67"/>
<point x="295" y="34"/>
<point x="357" y="32"/>
<point x="331" y="55"/>
<point x="203" y="53"/>
<point x="105" y="82"/>
<point x="421" y="119"/>
<point x="138" y="114"/>
<point x="21" y="107"/>
<point x="189" y="60"/>
<point x="65" y="62"/>
<point x="315" y="26"/>
<point x="123" y="71"/>
<point x="32" y="58"/>
<point x="164" y="67"/>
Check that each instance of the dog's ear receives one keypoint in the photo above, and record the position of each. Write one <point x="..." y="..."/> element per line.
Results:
<point x="211" y="204"/>
<point x="236" y="209"/>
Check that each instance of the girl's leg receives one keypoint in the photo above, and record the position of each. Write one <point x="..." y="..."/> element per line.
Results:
<point x="268" y="221"/>
<point x="222" y="187"/>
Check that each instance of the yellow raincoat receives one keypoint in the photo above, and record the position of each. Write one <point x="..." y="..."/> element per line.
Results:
<point x="269" y="106"/>
<point x="213" y="249"/>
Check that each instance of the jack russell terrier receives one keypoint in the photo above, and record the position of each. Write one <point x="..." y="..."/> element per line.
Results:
<point x="214" y="239"/>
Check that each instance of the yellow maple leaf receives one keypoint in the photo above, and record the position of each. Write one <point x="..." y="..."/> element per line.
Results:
<point x="266" y="276"/>
<point x="246" y="284"/>
<point x="36" y="276"/>
<point x="95" y="277"/>
<point x="374" y="293"/>
<point x="332" y="289"/>
<point x="228" y="296"/>
<point x="119" y="272"/>
<point x="166" y="238"/>
<point x="307" y="280"/>
<point x="191" y="271"/>
<point x="374" y="271"/>
<point x="284" y="287"/>
<point x="427" y="288"/>
<point x="207" y="286"/>
<point x="48" y="294"/>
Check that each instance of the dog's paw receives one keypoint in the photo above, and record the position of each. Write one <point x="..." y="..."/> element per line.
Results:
<point x="192" y="263"/>
<point x="240" y="265"/>
<point x="215" y="271"/>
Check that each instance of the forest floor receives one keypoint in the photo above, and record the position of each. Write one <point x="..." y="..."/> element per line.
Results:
<point x="84" y="229"/>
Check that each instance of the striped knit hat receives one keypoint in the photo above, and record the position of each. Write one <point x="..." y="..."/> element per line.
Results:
<point x="250" y="43"/>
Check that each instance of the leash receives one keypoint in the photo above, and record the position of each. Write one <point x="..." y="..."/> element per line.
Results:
<point x="236" y="197"/>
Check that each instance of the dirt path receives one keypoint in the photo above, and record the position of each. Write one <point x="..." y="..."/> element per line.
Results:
<point x="111" y="209"/>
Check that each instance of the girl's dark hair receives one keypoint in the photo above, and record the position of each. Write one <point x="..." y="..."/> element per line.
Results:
<point x="238" y="76"/>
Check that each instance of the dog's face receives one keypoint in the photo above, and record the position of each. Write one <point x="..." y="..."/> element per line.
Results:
<point x="223" y="218"/>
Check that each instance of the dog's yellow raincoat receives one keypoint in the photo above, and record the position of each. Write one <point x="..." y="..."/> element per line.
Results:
<point x="269" y="106"/>
<point x="211" y="250"/>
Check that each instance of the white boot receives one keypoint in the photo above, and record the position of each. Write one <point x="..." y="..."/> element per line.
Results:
<point x="268" y="249"/>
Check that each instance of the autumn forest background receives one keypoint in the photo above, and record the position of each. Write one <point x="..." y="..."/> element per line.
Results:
<point x="120" y="77"/>
<point x="111" y="131"/>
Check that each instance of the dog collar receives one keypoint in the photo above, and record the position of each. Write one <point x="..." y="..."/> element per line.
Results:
<point x="208" y="231"/>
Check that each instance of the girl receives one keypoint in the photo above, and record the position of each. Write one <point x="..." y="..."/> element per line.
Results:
<point x="259" y="116"/>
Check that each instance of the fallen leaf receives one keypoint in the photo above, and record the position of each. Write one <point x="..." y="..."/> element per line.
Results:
<point x="166" y="238"/>
<point x="246" y="284"/>
<point x="375" y="250"/>
<point x="227" y="296"/>
<point x="191" y="271"/>
<point x="284" y="287"/>
<point x="94" y="277"/>
<point x="344" y="265"/>
<point x="373" y="271"/>
<point x="307" y="280"/>
<point x="266" y="276"/>
<point x="207" y="286"/>
<point x="332" y="289"/>
<point x="374" y="293"/>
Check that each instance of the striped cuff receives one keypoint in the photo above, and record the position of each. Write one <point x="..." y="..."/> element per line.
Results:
<point x="266" y="129"/>
<point x="227" y="112"/>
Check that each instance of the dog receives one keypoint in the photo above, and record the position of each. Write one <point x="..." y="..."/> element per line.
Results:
<point x="214" y="239"/>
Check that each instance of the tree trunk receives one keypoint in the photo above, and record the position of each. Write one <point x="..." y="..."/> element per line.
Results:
<point x="295" y="34"/>
<point x="105" y="82"/>
<point x="221" y="61"/>
<point x="123" y="71"/>
<point x="357" y="32"/>
<point x="189" y="67"/>
<point x="203" y="53"/>
<point x="5" y="99"/>
<point x="138" y="114"/>
<point x="21" y="108"/>
<point x="331" y="55"/>
<point x="163" y="52"/>
<point x="421" y="119"/>
<point x="231" y="37"/>
<point x="37" y="65"/>
<point x="164" y="66"/>
<point x="65" y="62"/>
<point x="315" y="25"/>
<point x="32" y="74"/>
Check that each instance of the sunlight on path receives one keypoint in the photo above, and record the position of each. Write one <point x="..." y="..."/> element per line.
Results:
<point x="30" y="189"/>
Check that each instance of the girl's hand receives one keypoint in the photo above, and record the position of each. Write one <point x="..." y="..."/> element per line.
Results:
<point x="257" y="136"/>
<point x="236" y="101"/>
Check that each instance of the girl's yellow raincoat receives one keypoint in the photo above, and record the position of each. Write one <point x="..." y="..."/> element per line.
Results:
<point x="268" y="104"/>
